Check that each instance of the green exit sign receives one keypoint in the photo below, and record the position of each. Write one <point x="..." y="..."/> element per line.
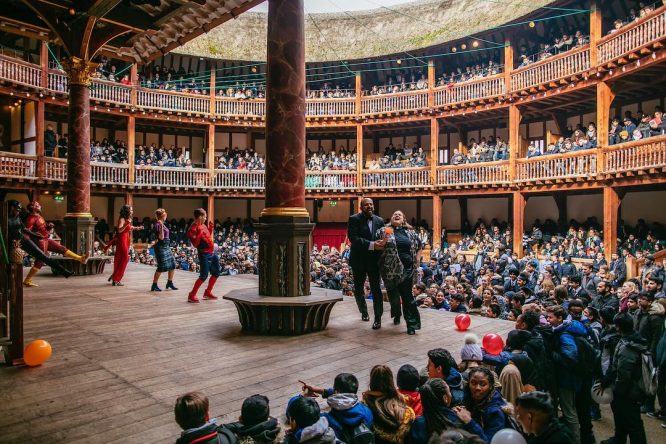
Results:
<point x="333" y="203"/>
<point x="59" y="198"/>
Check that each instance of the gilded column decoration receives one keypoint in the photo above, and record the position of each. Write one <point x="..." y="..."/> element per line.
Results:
<point x="281" y="261"/>
<point x="79" y="71"/>
<point x="303" y="269"/>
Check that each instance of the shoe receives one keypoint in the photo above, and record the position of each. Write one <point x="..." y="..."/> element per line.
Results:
<point x="376" y="325"/>
<point x="646" y="410"/>
<point x="417" y="327"/>
<point x="210" y="296"/>
<point x="155" y="287"/>
<point x="365" y="317"/>
<point x="396" y="320"/>
<point x="109" y="279"/>
<point x="193" y="300"/>
<point x="663" y="425"/>
<point x="84" y="258"/>
<point x="117" y="284"/>
<point x="411" y="331"/>
<point x="655" y="415"/>
<point x="170" y="286"/>
<point x="67" y="273"/>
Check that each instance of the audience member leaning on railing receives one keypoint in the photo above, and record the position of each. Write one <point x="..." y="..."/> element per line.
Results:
<point x="643" y="127"/>
<point x="471" y="72"/>
<point x="643" y="10"/>
<point x="491" y="150"/>
<point x="565" y="42"/>
<point x="236" y="159"/>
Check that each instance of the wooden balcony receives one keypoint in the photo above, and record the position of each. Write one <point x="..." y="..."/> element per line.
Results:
<point x="397" y="179"/>
<point x="558" y="69"/>
<point x="20" y="72"/>
<point x="474" y="175"/>
<point x="330" y="107"/>
<point x="636" y="157"/>
<point x="247" y="180"/>
<point x="226" y="106"/>
<point x="560" y="168"/>
<point x="403" y="101"/>
<point x="330" y="181"/>
<point x="109" y="173"/>
<point x="15" y="165"/>
<point x="111" y="92"/>
<point x="155" y="99"/>
<point x="172" y="178"/>
<point x="470" y="91"/>
<point x="647" y="32"/>
<point x="55" y="169"/>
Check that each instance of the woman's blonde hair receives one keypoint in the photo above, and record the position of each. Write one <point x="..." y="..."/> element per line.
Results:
<point x="159" y="213"/>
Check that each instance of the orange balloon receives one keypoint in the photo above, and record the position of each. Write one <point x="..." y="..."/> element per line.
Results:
<point x="37" y="353"/>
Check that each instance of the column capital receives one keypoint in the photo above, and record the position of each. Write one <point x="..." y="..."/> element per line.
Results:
<point x="79" y="71"/>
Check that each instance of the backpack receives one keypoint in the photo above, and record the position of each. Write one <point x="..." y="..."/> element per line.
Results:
<point x="647" y="382"/>
<point x="359" y="434"/>
<point x="588" y="363"/>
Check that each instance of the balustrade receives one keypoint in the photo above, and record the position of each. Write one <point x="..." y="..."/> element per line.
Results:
<point x="471" y="90"/>
<point x="55" y="169"/>
<point x="110" y="92"/>
<point x="397" y="178"/>
<point x="330" y="180"/>
<point x="109" y="173"/>
<point x="577" y="164"/>
<point x="645" y="31"/>
<point x="57" y="81"/>
<point x="485" y="173"/>
<point x="172" y="101"/>
<point x="240" y="179"/>
<point x="21" y="72"/>
<point x="637" y="155"/>
<point x="553" y="68"/>
<point x="240" y="107"/>
<point x="330" y="107"/>
<point x="172" y="177"/>
<point x="17" y="165"/>
<point x="403" y="101"/>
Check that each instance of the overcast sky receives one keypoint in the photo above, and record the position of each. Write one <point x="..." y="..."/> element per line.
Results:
<point x="339" y="5"/>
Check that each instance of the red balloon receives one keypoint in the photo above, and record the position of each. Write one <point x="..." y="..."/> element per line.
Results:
<point x="493" y="344"/>
<point x="462" y="321"/>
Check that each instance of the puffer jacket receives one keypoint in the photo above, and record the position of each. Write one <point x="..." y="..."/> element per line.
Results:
<point x="456" y="384"/>
<point x="317" y="433"/>
<point x="626" y="368"/>
<point x="650" y="325"/>
<point x="346" y="413"/>
<point x="487" y="422"/>
<point x="565" y="356"/>
<point x="266" y="432"/>
<point x="536" y="350"/>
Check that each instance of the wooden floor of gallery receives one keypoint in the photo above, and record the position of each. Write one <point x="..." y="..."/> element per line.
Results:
<point x="121" y="356"/>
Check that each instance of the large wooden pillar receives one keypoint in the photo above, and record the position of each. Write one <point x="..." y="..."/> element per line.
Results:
<point x="359" y="156"/>
<point x="508" y="63"/>
<point x="519" y="203"/>
<point x="359" y="93"/>
<point x="605" y="97"/>
<point x="612" y="203"/>
<point x="560" y="198"/>
<point x="131" y="147"/>
<point x="211" y="92"/>
<point x="515" y="116"/>
<point x="210" y="152"/>
<point x="596" y="23"/>
<point x="436" y="221"/>
<point x="210" y="207"/>
<point x="434" y="150"/>
<point x="431" y="84"/>
<point x="40" y="108"/>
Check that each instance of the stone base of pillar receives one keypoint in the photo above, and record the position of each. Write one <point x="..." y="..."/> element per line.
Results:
<point x="284" y="255"/>
<point x="79" y="237"/>
<point x="95" y="265"/>
<point x="268" y="315"/>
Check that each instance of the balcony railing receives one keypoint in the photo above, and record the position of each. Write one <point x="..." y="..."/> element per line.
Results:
<point x="240" y="107"/>
<point x="330" y="107"/>
<point x="109" y="173"/>
<point x="577" y="164"/>
<point x="57" y="81"/>
<point x="172" y="101"/>
<point x="472" y="90"/>
<point x="397" y="178"/>
<point x="20" y="72"/>
<point x="553" y="68"/>
<point x="409" y="100"/>
<point x="330" y="180"/>
<point x="485" y="173"/>
<point x="17" y="165"/>
<point x="171" y="177"/>
<point x="644" y="32"/>
<point x="113" y="92"/>
<point x="55" y="169"/>
<point x="240" y="179"/>
<point x="637" y="155"/>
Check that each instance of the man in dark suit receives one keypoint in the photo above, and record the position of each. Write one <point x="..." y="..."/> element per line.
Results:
<point x="619" y="269"/>
<point x="364" y="258"/>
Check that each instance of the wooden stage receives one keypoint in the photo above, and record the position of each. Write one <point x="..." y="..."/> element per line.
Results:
<point x="121" y="356"/>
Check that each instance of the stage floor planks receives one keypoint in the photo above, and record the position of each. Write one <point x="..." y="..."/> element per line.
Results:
<point x="121" y="355"/>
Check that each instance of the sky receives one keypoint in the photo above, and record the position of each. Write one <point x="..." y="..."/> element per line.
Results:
<point x="315" y="6"/>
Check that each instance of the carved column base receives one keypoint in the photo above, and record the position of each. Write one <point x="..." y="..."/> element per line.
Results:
<point x="266" y="315"/>
<point x="95" y="265"/>
<point x="79" y="233"/>
<point x="284" y="255"/>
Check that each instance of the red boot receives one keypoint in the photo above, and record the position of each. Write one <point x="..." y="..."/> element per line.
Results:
<point x="208" y="293"/>
<point x="192" y="297"/>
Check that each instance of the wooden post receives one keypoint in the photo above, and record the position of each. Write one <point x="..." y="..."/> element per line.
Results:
<point x="560" y="198"/>
<point x="605" y="97"/>
<point x="40" y="107"/>
<point x="129" y="199"/>
<point x="359" y="156"/>
<point x="134" y="83"/>
<point x="508" y="64"/>
<point x="596" y="22"/>
<point x="436" y="221"/>
<point x="514" y="139"/>
<point x="519" y="203"/>
<point x="462" y="201"/>
<point x="359" y="92"/>
<point x="131" y="148"/>
<point x="431" y="83"/>
<point x="212" y="90"/>
<point x="44" y="64"/>
<point x="210" y="152"/>
<point x="434" y="150"/>
<point x="210" y="207"/>
<point x="612" y="203"/>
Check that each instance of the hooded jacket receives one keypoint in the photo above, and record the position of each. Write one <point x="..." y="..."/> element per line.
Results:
<point x="346" y="413"/>
<point x="489" y="420"/>
<point x="455" y="383"/>
<point x="650" y="325"/>
<point x="626" y="368"/>
<point x="413" y="399"/>
<point x="392" y="417"/>
<point x="209" y="433"/>
<point x="266" y="432"/>
<point x="521" y="360"/>
<point x="536" y="350"/>
<point x="317" y="433"/>
<point x="565" y="356"/>
<point x="555" y="433"/>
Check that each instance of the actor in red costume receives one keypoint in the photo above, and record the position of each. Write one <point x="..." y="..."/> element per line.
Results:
<point x="200" y="234"/>
<point x="122" y="242"/>
<point x="35" y="223"/>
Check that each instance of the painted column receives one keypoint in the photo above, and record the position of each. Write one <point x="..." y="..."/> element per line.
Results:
<point x="612" y="203"/>
<point x="519" y="203"/>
